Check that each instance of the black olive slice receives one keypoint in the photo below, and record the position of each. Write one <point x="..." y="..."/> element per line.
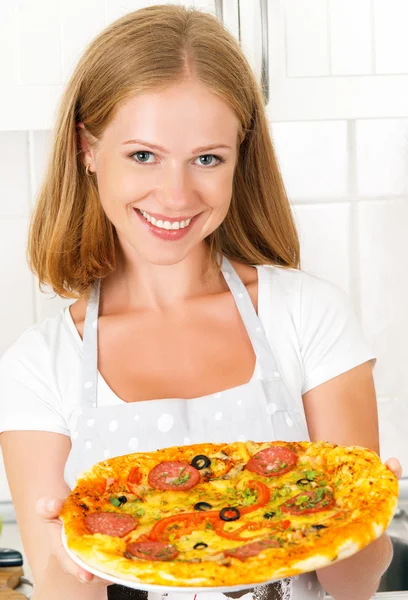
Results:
<point x="269" y="515"/>
<point x="200" y="546"/>
<point x="202" y="506"/>
<point x="319" y="527"/>
<point x="225" y="513"/>
<point x="303" y="481"/>
<point x="122" y="499"/>
<point x="200" y="462"/>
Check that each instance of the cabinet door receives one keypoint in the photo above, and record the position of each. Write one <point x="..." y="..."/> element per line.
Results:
<point x="329" y="59"/>
<point x="41" y="41"/>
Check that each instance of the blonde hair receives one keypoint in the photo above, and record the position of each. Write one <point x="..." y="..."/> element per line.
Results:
<point x="71" y="241"/>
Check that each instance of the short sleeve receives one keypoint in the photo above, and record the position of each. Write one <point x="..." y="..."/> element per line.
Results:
<point x="331" y="338"/>
<point x="29" y="398"/>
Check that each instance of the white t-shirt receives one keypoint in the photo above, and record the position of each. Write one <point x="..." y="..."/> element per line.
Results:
<point x="309" y="323"/>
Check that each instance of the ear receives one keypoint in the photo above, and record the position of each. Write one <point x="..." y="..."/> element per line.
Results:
<point x="87" y="146"/>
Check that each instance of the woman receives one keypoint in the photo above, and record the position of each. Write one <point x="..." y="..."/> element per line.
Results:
<point x="164" y="214"/>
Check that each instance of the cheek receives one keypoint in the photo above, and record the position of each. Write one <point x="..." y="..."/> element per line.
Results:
<point x="219" y="191"/>
<point x="118" y="184"/>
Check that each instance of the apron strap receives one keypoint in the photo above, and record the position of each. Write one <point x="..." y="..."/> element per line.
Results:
<point x="90" y="348"/>
<point x="251" y="321"/>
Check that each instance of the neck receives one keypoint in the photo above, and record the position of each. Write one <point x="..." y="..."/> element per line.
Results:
<point x="138" y="283"/>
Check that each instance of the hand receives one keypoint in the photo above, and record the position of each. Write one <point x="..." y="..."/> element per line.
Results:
<point x="48" y="509"/>
<point x="394" y="466"/>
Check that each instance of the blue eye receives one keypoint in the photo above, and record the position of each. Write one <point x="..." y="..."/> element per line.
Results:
<point x="206" y="160"/>
<point x="206" y="157"/>
<point x="142" y="155"/>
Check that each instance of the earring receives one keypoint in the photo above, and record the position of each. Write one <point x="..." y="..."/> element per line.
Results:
<point x="88" y="172"/>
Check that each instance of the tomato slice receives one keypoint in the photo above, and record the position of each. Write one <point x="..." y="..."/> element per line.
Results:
<point x="102" y="485"/>
<point x="186" y="522"/>
<point x="134" y="479"/>
<point x="252" y="525"/>
<point x="263" y="496"/>
<point x="233" y="535"/>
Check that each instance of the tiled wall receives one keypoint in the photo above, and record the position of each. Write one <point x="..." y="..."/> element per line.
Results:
<point x="349" y="187"/>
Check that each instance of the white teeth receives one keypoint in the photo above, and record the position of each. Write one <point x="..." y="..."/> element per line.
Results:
<point x="165" y="224"/>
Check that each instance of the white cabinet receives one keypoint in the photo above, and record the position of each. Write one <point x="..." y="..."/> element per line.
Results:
<point x="330" y="59"/>
<point x="41" y="41"/>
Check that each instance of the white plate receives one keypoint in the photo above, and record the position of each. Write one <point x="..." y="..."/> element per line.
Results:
<point x="149" y="587"/>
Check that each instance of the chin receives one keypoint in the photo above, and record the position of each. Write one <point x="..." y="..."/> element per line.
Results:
<point x="166" y="258"/>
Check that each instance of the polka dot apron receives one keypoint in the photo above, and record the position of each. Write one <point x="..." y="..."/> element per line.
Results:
<point x="260" y="410"/>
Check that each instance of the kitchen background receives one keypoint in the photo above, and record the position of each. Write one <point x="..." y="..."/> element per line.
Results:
<point x="335" y="74"/>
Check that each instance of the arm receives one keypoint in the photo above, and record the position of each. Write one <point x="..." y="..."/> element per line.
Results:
<point x="344" y="411"/>
<point x="34" y="462"/>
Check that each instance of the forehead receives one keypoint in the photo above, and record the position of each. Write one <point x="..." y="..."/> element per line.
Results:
<point x="185" y="111"/>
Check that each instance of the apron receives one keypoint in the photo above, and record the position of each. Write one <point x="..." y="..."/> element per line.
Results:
<point x="261" y="410"/>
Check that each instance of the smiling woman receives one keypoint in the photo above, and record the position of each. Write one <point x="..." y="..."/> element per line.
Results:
<point x="164" y="214"/>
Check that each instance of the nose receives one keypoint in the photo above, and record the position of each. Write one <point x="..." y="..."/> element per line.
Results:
<point x="177" y="191"/>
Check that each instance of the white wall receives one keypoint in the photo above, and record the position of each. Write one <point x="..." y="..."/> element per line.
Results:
<point x="347" y="180"/>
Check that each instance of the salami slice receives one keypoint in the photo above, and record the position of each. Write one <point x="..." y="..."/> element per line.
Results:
<point x="173" y="475"/>
<point x="272" y="461"/>
<point x="110" y="523"/>
<point x="309" y="502"/>
<point x="152" y="550"/>
<point x="251" y="549"/>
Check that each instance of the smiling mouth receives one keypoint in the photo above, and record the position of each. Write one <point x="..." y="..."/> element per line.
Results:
<point x="165" y="224"/>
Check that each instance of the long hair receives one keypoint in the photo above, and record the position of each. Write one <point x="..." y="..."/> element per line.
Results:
<point x="71" y="241"/>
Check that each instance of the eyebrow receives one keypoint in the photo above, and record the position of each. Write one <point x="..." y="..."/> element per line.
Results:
<point x="157" y="147"/>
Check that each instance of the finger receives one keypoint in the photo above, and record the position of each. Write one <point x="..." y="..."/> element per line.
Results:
<point x="394" y="465"/>
<point x="49" y="508"/>
<point x="69" y="566"/>
<point x="67" y="563"/>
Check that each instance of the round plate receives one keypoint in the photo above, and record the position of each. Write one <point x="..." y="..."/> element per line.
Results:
<point x="150" y="587"/>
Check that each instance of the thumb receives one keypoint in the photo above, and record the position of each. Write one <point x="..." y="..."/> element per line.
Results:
<point x="394" y="465"/>
<point x="49" y="508"/>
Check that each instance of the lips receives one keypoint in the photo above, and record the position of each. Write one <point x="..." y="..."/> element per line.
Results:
<point x="167" y="223"/>
<point x="163" y="218"/>
<point x="166" y="230"/>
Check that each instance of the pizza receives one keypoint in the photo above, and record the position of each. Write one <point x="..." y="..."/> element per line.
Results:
<point x="210" y="515"/>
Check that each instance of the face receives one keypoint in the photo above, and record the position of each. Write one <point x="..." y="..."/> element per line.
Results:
<point x="165" y="168"/>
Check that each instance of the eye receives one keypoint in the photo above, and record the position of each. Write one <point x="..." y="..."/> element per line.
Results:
<point x="207" y="160"/>
<point x="142" y="156"/>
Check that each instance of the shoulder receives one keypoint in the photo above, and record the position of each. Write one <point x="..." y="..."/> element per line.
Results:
<point x="312" y="323"/>
<point x="34" y="379"/>
<point x="298" y="291"/>
<point x="307" y="305"/>
<point x="296" y="281"/>
<point x="37" y="345"/>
